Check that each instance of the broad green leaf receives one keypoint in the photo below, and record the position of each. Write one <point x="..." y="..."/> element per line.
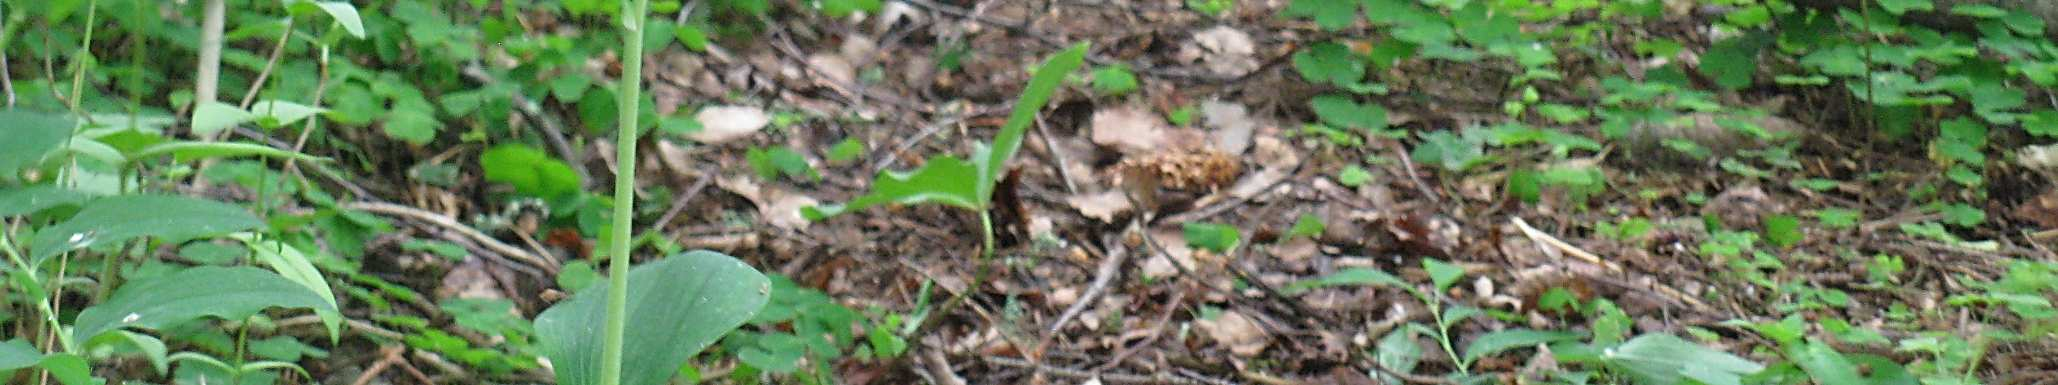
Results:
<point x="945" y="180"/>
<point x="30" y="199"/>
<point x="1500" y="341"/>
<point x="1732" y="62"/>
<point x="1825" y="365"/>
<point x="1662" y="359"/>
<point x="677" y="306"/>
<point x="1450" y="151"/>
<point x="1308" y="225"/>
<point x="1340" y="111"/>
<point x="275" y="113"/>
<point x="29" y="137"/>
<point x="293" y="264"/>
<point x="1329" y="63"/>
<point x="1903" y="6"/>
<point x="529" y="170"/>
<point x="150" y="347"/>
<point x="223" y="292"/>
<point x="1114" y="80"/>
<point x="1443" y="273"/>
<point x="1042" y="84"/>
<point x="1216" y="237"/>
<point x="344" y="14"/>
<point x="1964" y="215"/>
<point x="17" y="353"/>
<point x="1978" y="10"/>
<point x="69" y="369"/>
<point x="1355" y="276"/>
<point x="847" y="150"/>
<point x="186" y="151"/>
<point x="1398" y="352"/>
<point x="770" y="163"/>
<point x="212" y="117"/>
<point x="1783" y="230"/>
<point x="116" y="219"/>
<point x="1328" y="14"/>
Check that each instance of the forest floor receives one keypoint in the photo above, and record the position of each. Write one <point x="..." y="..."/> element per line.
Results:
<point x="1097" y="273"/>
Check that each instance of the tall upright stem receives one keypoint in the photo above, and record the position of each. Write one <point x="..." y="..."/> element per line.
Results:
<point x="630" y="92"/>
<point x="209" y="73"/>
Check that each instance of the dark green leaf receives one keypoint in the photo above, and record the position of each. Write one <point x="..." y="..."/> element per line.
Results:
<point x="1328" y="14"/>
<point x="29" y="137"/>
<point x="1662" y="359"/>
<point x="224" y="292"/>
<point x="1500" y="341"/>
<point x="117" y="219"/>
<point x="677" y="306"/>
<point x="31" y="199"/>
<point x="17" y="353"/>
<point x="1340" y="111"/>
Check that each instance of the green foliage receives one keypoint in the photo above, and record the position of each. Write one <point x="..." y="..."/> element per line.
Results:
<point x="531" y="171"/>
<point x="230" y="293"/>
<point x="770" y="163"/>
<point x="117" y="219"/>
<point x="1308" y="225"/>
<point x="719" y="293"/>
<point x="800" y="325"/>
<point x="1215" y="237"/>
<point x="969" y="185"/>
<point x="1113" y="80"/>
<point x="1353" y="176"/>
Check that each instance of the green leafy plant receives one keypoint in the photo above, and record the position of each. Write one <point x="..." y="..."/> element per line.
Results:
<point x="969" y="185"/>
<point x="721" y="291"/>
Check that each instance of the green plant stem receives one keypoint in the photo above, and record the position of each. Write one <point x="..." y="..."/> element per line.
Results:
<point x="630" y="90"/>
<point x="42" y="304"/>
<point x="1443" y="336"/>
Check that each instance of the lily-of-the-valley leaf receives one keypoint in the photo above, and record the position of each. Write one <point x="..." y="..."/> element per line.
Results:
<point x="117" y="219"/>
<point x="677" y="306"/>
<point x="208" y="291"/>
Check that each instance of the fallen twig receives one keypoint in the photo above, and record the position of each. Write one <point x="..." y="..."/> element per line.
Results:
<point x="445" y="221"/>
<point x="1567" y="248"/>
<point x="1110" y="266"/>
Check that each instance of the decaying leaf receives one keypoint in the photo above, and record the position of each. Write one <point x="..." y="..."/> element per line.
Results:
<point x="720" y="124"/>
<point x="776" y="206"/>
<point x="1235" y="331"/>
<point x="1104" y="206"/>
<point x="1231" y="123"/>
<point x="1228" y="50"/>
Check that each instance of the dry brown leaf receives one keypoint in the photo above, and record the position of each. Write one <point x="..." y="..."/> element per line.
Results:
<point x="1231" y="124"/>
<point x="725" y="123"/>
<point x="775" y="206"/>
<point x="1129" y="129"/>
<point x="1103" y="206"/>
<point x="1235" y="331"/>
<point x="1228" y="50"/>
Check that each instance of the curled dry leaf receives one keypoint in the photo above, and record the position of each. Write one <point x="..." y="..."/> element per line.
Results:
<point x="1237" y="332"/>
<point x="1104" y="206"/>
<point x="778" y="207"/>
<point x="1228" y="50"/>
<point x="720" y="124"/>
